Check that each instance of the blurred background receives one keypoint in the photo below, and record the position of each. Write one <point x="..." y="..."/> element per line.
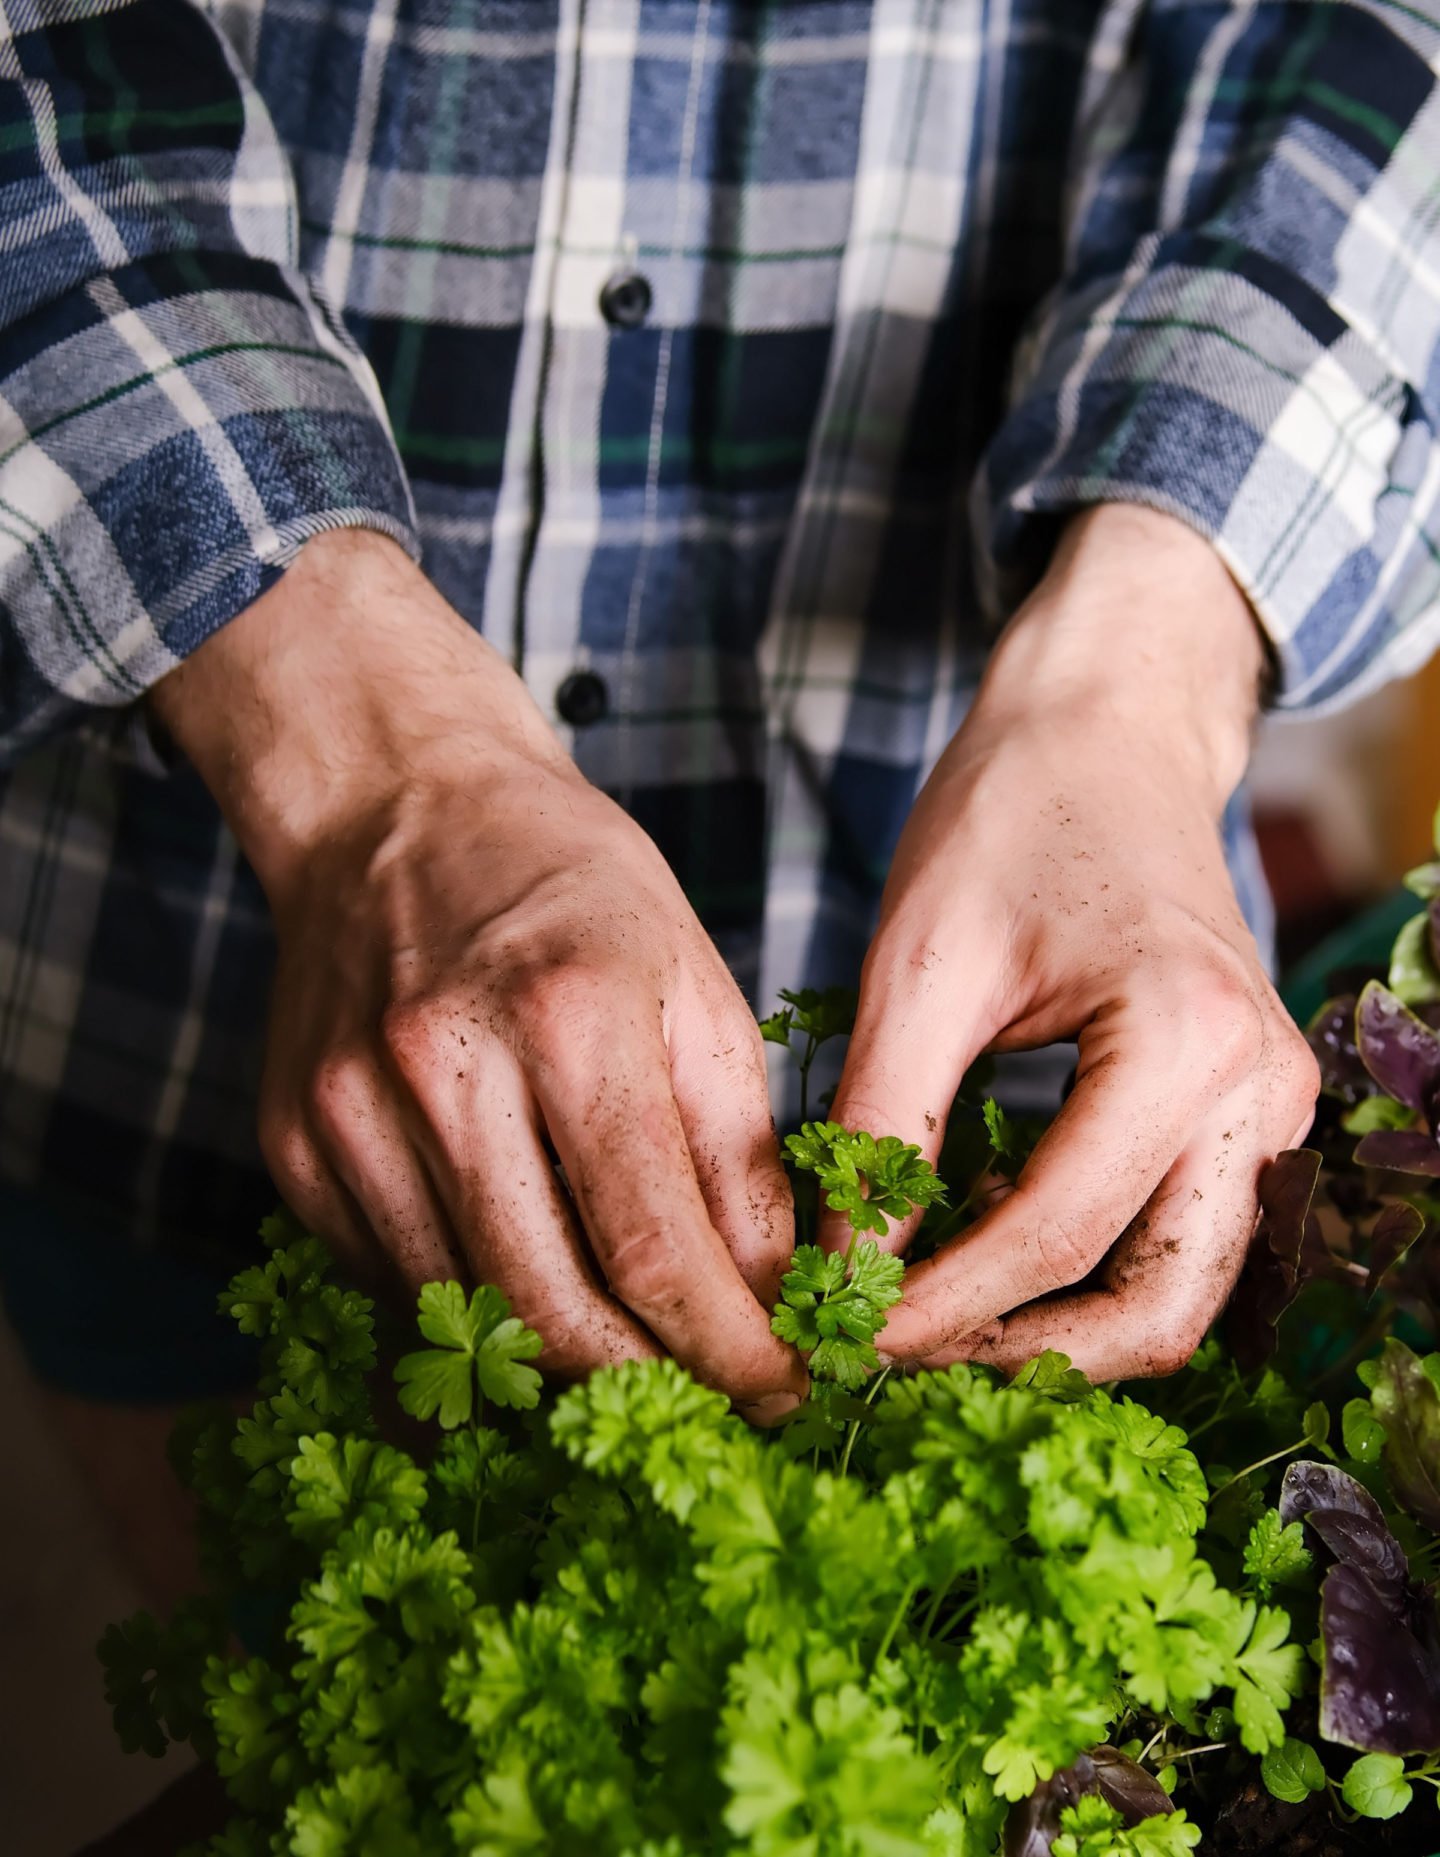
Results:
<point x="1344" y="806"/>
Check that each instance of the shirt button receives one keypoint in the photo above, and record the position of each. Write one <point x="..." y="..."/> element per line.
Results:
<point x="625" y="300"/>
<point x="582" y="699"/>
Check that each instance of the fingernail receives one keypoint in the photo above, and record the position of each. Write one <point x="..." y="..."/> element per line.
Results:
<point x="770" y="1410"/>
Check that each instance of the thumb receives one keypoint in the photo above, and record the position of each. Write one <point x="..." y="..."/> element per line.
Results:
<point x="919" y="1026"/>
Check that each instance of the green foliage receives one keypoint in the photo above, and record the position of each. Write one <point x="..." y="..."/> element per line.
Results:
<point x="1093" y="1828"/>
<point x="1293" y="1771"/>
<point x="817" y="1014"/>
<point x="1376" y="1786"/>
<point x="872" y="1180"/>
<point x="480" y="1348"/>
<point x="1010" y="1143"/>
<point x="625" y="1623"/>
<point x="832" y="1305"/>
<point x="1276" y="1554"/>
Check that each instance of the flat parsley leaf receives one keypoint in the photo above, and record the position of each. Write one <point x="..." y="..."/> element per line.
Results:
<point x="477" y="1344"/>
<point x="1267" y="1676"/>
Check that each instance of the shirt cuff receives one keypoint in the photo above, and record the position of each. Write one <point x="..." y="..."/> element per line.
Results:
<point x="170" y="435"/>
<point x="1212" y="384"/>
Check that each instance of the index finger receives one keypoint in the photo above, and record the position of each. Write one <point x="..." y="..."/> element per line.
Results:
<point x="610" y="1107"/>
<point x="1144" y="1083"/>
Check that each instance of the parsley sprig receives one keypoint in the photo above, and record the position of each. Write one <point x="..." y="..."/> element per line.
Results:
<point x="619" y="1621"/>
<point x="625" y="1623"/>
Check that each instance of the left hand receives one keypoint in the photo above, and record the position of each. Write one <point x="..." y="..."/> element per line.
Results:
<point x="1062" y="876"/>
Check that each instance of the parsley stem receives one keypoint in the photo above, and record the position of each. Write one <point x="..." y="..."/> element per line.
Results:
<point x="1159" y="1735"/>
<point x="1221" y="1411"/>
<point x="876" y="1383"/>
<point x="932" y="1611"/>
<point x="1189" y="1753"/>
<point x="811" y="1047"/>
<point x="896" y="1618"/>
<point x="1259" y="1464"/>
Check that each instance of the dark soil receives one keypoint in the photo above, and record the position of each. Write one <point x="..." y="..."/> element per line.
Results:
<point x="1252" y="1822"/>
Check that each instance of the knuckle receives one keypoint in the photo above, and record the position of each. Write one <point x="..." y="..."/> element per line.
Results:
<point x="552" y="1006"/>
<point x="1224" y="1018"/>
<point x="286" y="1148"/>
<point x="338" y="1085"/>
<point x="407" y="1032"/>
<point x="1300" y="1069"/>
<point x="1060" y="1257"/>
<point x="571" y="1344"/>
<point x="1176" y="1328"/>
<point x="645" y="1269"/>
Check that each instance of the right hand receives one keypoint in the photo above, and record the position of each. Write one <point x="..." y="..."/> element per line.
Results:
<point x="484" y="965"/>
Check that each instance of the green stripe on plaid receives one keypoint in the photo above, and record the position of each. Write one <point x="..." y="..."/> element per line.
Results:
<point x="913" y="297"/>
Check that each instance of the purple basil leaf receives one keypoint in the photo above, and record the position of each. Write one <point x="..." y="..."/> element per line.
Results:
<point x="1034" y="1823"/>
<point x="1433" y="928"/>
<point x="1407" y="1404"/>
<point x="1380" y="1681"/>
<point x="1397" y="1228"/>
<point x="1273" y="1276"/>
<point x="1331" y="1036"/>
<point x="1400" y="1151"/>
<point x="1380" y="1685"/>
<point x="1399" y="1050"/>
<point x="1307" y="1486"/>
<point x="1347" y="1519"/>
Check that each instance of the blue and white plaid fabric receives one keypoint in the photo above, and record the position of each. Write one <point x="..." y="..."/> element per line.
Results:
<point x="925" y="275"/>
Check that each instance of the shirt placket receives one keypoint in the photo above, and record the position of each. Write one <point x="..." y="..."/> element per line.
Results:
<point x="584" y="292"/>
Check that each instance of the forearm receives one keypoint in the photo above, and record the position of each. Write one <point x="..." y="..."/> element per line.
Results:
<point x="1136" y="627"/>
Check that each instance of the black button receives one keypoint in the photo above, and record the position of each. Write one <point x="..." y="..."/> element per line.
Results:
<point x="582" y="699"/>
<point x="625" y="300"/>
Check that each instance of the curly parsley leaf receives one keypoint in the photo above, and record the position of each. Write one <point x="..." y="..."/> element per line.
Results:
<point x="339" y="1484"/>
<point x="1051" y="1375"/>
<point x="775" y="1029"/>
<point x="1276" y="1554"/>
<point x="364" y="1809"/>
<point x="831" y="1308"/>
<point x="1092" y="1827"/>
<point x="822" y="1013"/>
<point x="872" y="1180"/>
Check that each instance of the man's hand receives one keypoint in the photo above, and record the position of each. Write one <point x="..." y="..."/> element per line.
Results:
<point x="1062" y="876"/>
<point x="484" y="964"/>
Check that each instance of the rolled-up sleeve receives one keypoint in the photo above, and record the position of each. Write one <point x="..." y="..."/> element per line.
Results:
<point x="1248" y="331"/>
<point x="179" y="409"/>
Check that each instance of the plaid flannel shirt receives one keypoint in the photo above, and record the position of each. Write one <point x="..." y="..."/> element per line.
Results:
<point x="922" y="275"/>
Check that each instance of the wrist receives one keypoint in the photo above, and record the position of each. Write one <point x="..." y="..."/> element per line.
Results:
<point x="1137" y="635"/>
<point x="345" y="687"/>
